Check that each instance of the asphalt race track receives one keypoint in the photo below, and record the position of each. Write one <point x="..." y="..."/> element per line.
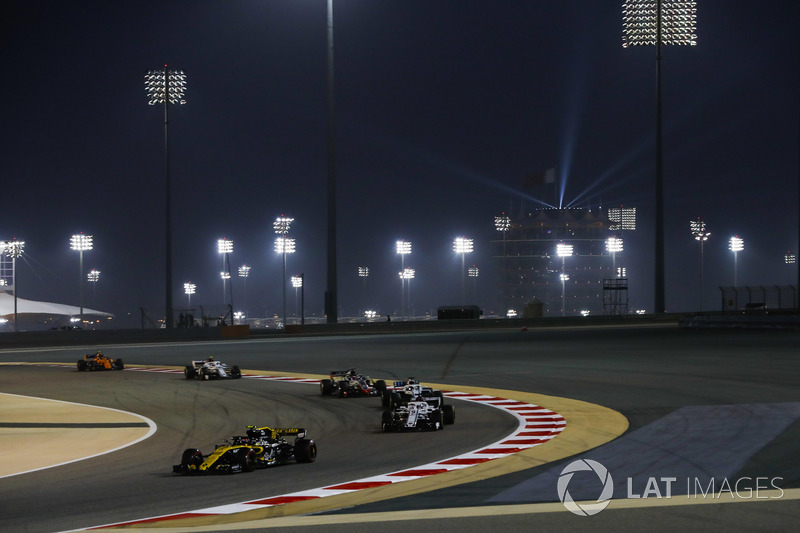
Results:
<point x="702" y="405"/>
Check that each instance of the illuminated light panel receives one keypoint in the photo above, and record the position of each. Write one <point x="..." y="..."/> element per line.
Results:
<point x="640" y="23"/>
<point x="165" y="84"/>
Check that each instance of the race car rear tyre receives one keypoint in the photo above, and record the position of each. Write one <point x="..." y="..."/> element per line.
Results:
<point x="449" y="414"/>
<point x="235" y="372"/>
<point x="248" y="460"/>
<point x="386" y="421"/>
<point x="189" y="372"/>
<point x="119" y="365"/>
<point x="386" y="399"/>
<point x="326" y="386"/>
<point x="436" y="420"/>
<point x="206" y="374"/>
<point x="82" y="365"/>
<point x="380" y="385"/>
<point x="305" y="451"/>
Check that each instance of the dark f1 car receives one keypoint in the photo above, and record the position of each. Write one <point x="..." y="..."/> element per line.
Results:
<point x="350" y="383"/>
<point x="260" y="448"/>
<point x="211" y="369"/>
<point x="417" y="411"/>
<point x="404" y="391"/>
<point x="99" y="361"/>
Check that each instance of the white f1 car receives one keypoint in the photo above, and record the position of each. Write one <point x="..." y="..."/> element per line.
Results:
<point x="417" y="411"/>
<point x="211" y="369"/>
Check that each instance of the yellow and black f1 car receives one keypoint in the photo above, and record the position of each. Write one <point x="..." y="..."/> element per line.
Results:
<point x="99" y="361"/>
<point x="260" y="448"/>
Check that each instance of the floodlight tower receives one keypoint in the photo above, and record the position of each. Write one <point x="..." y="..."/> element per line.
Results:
<point x="363" y="273"/>
<point x="564" y="279"/>
<point x="166" y="86"/>
<point x="81" y="243"/>
<point x="189" y="289"/>
<point x="244" y="272"/>
<point x="331" y="306"/>
<point x="473" y="272"/>
<point x="613" y="246"/>
<point x="502" y="224"/>
<point x="225" y="248"/>
<point x="736" y="245"/>
<point x="14" y="250"/>
<point x="408" y="274"/>
<point x="563" y="251"/>
<point x="463" y="246"/>
<point x="698" y="228"/>
<point x="93" y="277"/>
<point x="403" y="248"/>
<point x="283" y="245"/>
<point x="648" y="23"/>
<point x="297" y="283"/>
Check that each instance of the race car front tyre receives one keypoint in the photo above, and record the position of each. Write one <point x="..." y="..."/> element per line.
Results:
<point x="380" y="385"/>
<point x="82" y="365"/>
<point x="191" y="457"/>
<point x="395" y="399"/>
<point x="119" y="365"/>
<point x="449" y="414"/>
<point x="305" y="451"/>
<point x="326" y="386"/>
<point x="235" y="372"/>
<point x="189" y="372"/>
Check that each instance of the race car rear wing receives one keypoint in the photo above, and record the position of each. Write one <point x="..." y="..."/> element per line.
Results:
<point x="274" y="433"/>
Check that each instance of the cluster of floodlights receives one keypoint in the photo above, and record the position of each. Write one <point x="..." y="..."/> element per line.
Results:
<point x="164" y="86"/>
<point x="640" y="20"/>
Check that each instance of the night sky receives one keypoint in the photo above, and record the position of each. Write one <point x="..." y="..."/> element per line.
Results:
<point x="442" y="109"/>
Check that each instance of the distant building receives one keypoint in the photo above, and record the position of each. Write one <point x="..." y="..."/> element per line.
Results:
<point x="532" y="269"/>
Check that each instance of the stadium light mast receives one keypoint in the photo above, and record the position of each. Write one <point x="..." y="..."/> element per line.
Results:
<point x="225" y="248"/>
<point x="408" y="274"/>
<point x="244" y="273"/>
<point x="331" y="305"/>
<point x="93" y="277"/>
<point x="563" y="251"/>
<point x="736" y="245"/>
<point x="502" y="223"/>
<point x="473" y="273"/>
<point x="14" y="250"/>
<point x="648" y="23"/>
<point x="363" y="273"/>
<point x="297" y="283"/>
<point x="283" y="245"/>
<point x="81" y="243"/>
<point x="189" y="288"/>
<point x="698" y="228"/>
<point x="166" y="86"/>
<point x="613" y="246"/>
<point x="463" y="246"/>
<point x="403" y="248"/>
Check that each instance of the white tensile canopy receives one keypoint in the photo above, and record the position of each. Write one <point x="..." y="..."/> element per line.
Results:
<point x="30" y="307"/>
